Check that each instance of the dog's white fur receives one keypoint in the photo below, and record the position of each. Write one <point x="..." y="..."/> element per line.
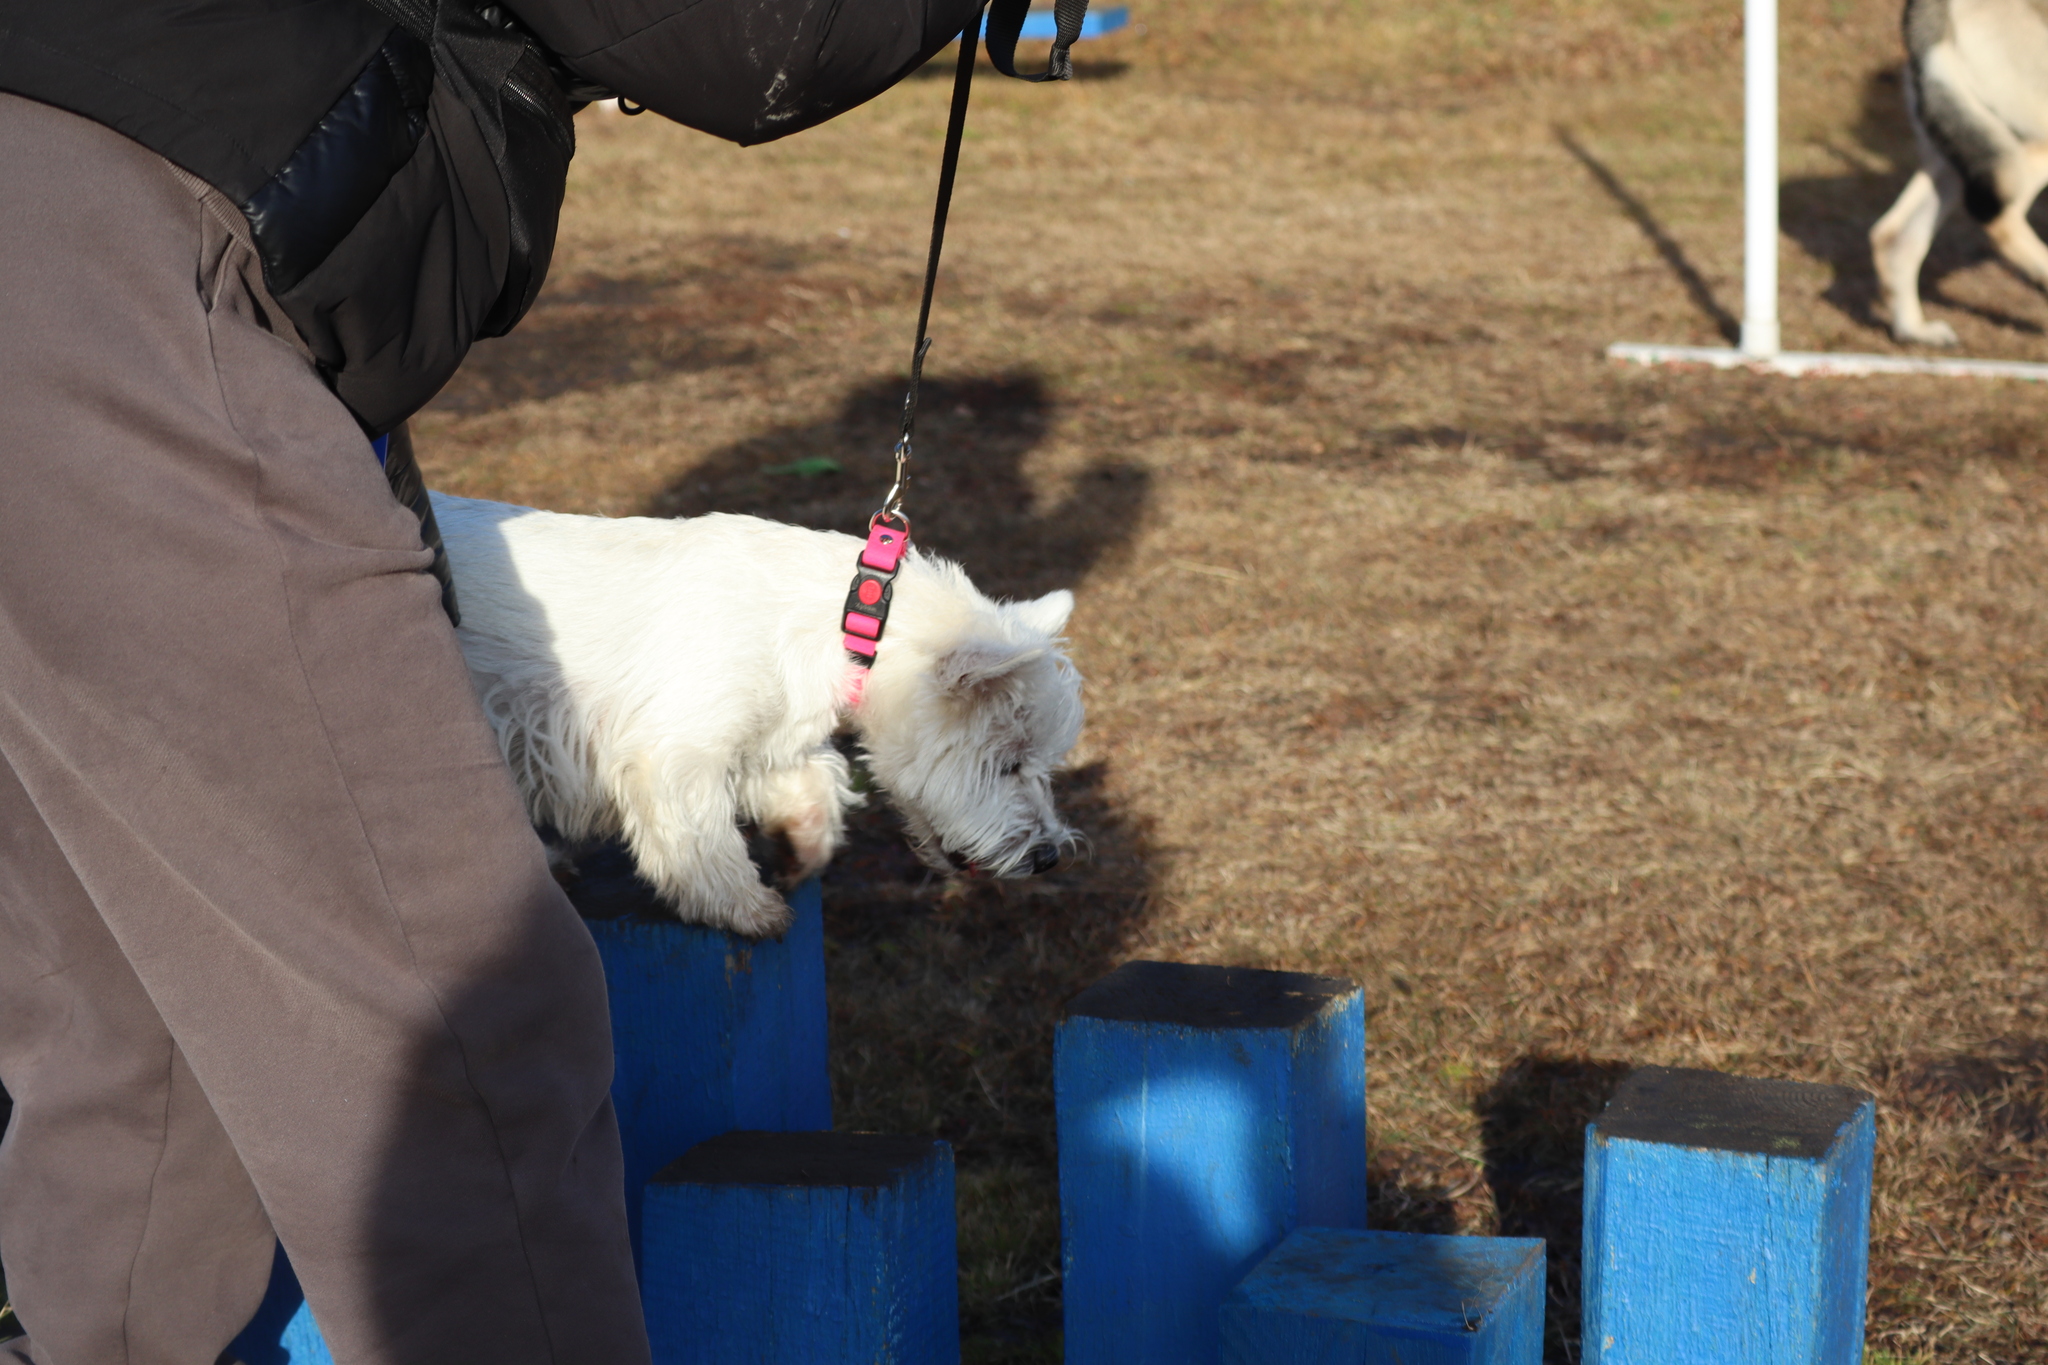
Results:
<point x="1977" y="92"/>
<point x="667" y="680"/>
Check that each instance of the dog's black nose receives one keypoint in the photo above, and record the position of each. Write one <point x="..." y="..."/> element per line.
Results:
<point x="1044" y="858"/>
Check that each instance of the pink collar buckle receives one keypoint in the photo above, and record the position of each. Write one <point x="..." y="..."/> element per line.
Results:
<point x="866" y="613"/>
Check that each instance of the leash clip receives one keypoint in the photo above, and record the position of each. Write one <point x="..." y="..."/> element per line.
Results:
<point x="892" y="501"/>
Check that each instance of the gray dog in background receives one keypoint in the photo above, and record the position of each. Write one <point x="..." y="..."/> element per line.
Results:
<point x="1977" y="91"/>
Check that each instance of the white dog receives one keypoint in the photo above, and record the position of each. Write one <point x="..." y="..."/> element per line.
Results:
<point x="667" y="680"/>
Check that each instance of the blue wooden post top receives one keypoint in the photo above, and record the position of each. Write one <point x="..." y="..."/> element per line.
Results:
<point x="1348" y="1297"/>
<point x="1727" y="1221"/>
<point x="866" y="1161"/>
<point x="1204" y="1112"/>
<point x="1187" y="995"/>
<point x="803" y="1249"/>
<point x="1680" y="1107"/>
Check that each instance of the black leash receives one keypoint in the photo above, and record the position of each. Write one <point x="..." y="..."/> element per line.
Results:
<point x="865" y="614"/>
<point x="949" y="165"/>
<point x="1005" y="21"/>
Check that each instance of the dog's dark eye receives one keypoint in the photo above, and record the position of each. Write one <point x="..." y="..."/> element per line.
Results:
<point x="1012" y="769"/>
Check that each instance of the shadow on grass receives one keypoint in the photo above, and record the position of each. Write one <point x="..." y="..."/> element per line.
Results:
<point x="2000" y="1090"/>
<point x="1532" y="1124"/>
<point x="969" y="498"/>
<point x="944" y="997"/>
<point x="1696" y="287"/>
<point x="1398" y="1206"/>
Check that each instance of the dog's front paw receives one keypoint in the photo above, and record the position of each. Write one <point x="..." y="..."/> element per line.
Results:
<point x="1926" y="334"/>
<point x="762" y="914"/>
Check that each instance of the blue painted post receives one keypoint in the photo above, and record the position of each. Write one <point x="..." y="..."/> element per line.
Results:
<point x="1342" y="1297"/>
<point x="804" y="1249"/>
<point x="711" y="1032"/>
<point x="283" y="1331"/>
<point x="1727" y="1221"/>
<point x="1204" y="1113"/>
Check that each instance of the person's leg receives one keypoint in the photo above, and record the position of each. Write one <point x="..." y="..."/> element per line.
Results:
<point x="230" y="692"/>
<point x="119" y="1192"/>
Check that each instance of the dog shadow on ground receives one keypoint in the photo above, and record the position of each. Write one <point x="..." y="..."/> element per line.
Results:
<point x="1532" y="1125"/>
<point x="969" y="499"/>
<point x="1830" y="216"/>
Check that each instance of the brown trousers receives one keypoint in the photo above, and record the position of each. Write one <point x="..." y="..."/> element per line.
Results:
<point x="279" y="954"/>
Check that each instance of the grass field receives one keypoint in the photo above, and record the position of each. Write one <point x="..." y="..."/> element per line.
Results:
<point x="1590" y="717"/>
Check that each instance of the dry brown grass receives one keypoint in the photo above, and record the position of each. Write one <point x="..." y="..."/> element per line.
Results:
<point x="1590" y="717"/>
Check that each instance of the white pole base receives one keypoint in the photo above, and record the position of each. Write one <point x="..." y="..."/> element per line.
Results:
<point x="1823" y="363"/>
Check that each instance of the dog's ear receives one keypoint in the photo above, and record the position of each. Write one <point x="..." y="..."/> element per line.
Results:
<point x="976" y="664"/>
<point x="1047" y="615"/>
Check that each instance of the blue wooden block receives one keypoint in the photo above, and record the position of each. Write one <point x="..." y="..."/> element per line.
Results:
<point x="1336" y="1296"/>
<point x="283" y="1331"/>
<point x="1727" y="1221"/>
<point x="711" y="1032"/>
<point x="1204" y="1113"/>
<point x="804" y="1249"/>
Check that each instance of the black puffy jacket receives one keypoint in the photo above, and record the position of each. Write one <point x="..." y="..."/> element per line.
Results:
<point x="402" y="181"/>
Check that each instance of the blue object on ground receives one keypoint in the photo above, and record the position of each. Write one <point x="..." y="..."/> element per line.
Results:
<point x="1041" y="23"/>
<point x="712" y="1032"/>
<point x="1204" y="1113"/>
<point x="1337" y="1296"/>
<point x="1727" y="1221"/>
<point x="804" y="1249"/>
<point x="283" y="1331"/>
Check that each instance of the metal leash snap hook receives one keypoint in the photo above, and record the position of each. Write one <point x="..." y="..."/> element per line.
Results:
<point x="892" y="504"/>
<point x="892" y="501"/>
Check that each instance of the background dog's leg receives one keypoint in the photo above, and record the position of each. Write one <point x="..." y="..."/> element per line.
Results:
<point x="1899" y="245"/>
<point x="807" y="806"/>
<point x="2024" y="178"/>
<point x="685" y="838"/>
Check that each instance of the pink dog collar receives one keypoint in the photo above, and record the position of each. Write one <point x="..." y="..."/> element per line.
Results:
<point x="866" y="614"/>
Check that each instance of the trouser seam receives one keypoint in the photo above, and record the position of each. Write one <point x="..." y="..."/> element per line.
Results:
<point x="149" y="1200"/>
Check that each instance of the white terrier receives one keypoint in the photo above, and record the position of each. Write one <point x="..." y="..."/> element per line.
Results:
<point x="667" y="680"/>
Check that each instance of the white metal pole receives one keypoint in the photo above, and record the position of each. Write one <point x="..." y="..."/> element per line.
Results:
<point x="1760" y="178"/>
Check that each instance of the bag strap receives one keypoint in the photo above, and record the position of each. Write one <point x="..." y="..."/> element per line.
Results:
<point x="1006" y="22"/>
